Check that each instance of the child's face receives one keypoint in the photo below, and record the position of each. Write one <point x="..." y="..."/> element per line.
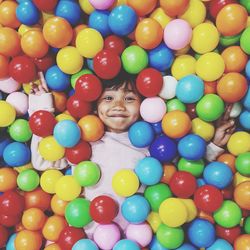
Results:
<point x="119" y="108"/>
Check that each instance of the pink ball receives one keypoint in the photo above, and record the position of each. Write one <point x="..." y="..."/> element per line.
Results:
<point x="153" y="109"/>
<point x="19" y="101"/>
<point x="9" y="85"/>
<point x="141" y="233"/>
<point x="106" y="236"/>
<point x="101" y="4"/>
<point x="177" y="34"/>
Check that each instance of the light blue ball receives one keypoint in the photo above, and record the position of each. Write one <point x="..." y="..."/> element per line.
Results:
<point x="135" y="209"/>
<point x="149" y="170"/>
<point x="90" y="64"/>
<point x="247" y="70"/>
<point x="245" y="120"/>
<point x="126" y="245"/>
<point x="220" y="244"/>
<point x="186" y="246"/>
<point x="156" y="245"/>
<point x="85" y="244"/>
<point x="246" y="100"/>
<point x="190" y="89"/>
<point x="11" y="242"/>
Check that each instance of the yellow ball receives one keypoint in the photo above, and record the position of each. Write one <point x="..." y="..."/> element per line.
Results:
<point x="125" y="182"/>
<point x="7" y="114"/>
<point x="24" y="28"/>
<point x="53" y="246"/>
<point x="67" y="188"/>
<point x="173" y="212"/>
<point x="210" y="66"/>
<point x="69" y="60"/>
<point x="205" y="38"/>
<point x="191" y="209"/>
<point x="50" y="150"/>
<point x="89" y="42"/>
<point x="203" y="129"/>
<point x="239" y="143"/>
<point x="154" y="221"/>
<point x="160" y="16"/>
<point x="62" y="117"/>
<point x="238" y="178"/>
<point x="24" y="167"/>
<point x="121" y="2"/>
<point x="86" y="6"/>
<point x="49" y="179"/>
<point x="183" y="65"/>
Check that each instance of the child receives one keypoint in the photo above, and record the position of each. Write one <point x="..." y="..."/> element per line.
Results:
<point x="118" y="107"/>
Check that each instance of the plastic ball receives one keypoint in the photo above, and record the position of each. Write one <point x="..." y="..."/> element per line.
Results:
<point x="53" y="246"/>
<point x="49" y="179"/>
<point x="220" y="244"/>
<point x="160" y="16"/>
<point x="45" y="6"/>
<point x="28" y="180"/>
<point x="244" y="41"/>
<point x="11" y="242"/>
<point x="168" y="90"/>
<point x="242" y="164"/>
<point x="239" y="143"/>
<point x="58" y="205"/>
<point x="27" y="239"/>
<point x="245" y="119"/>
<point x="214" y="7"/>
<point x="101" y="4"/>
<point x="19" y="101"/>
<point x="155" y="244"/>
<point x="241" y="195"/>
<point x="228" y="234"/>
<point x="194" y="167"/>
<point x="8" y="14"/>
<point x="246" y="100"/>
<point x="115" y="44"/>
<point x="7" y="179"/>
<point x="242" y="242"/>
<point x="76" y="76"/>
<point x="174" y="8"/>
<point x="7" y="114"/>
<point x="141" y="7"/>
<point x="85" y="244"/>
<point x="9" y="85"/>
<point x="20" y="130"/>
<point x="126" y="244"/>
<point x="4" y="62"/>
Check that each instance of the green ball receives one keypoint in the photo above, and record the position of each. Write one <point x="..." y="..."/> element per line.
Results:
<point x="175" y="104"/>
<point x="134" y="59"/>
<point x="170" y="237"/>
<point x="242" y="164"/>
<point x="28" y="180"/>
<point x="228" y="215"/>
<point x="77" y="213"/>
<point x="75" y="77"/>
<point x="245" y="41"/>
<point x="193" y="167"/>
<point x="210" y="107"/>
<point x="87" y="173"/>
<point x="247" y="225"/>
<point x="246" y="4"/>
<point x="156" y="194"/>
<point x="226" y="41"/>
<point x="20" y="130"/>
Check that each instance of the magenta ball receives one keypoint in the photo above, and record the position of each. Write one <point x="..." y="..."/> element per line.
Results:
<point x="101" y="4"/>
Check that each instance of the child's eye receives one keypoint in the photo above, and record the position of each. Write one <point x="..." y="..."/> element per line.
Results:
<point x="129" y="98"/>
<point x="108" y="98"/>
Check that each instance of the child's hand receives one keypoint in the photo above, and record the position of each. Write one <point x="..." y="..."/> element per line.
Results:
<point x="41" y="88"/>
<point x="224" y="128"/>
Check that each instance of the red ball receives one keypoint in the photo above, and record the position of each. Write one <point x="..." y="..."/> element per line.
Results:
<point x="78" y="107"/>
<point x="45" y="62"/>
<point x="191" y="110"/>
<point x="42" y="123"/>
<point x="183" y="184"/>
<point x="88" y="87"/>
<point x="22" y="69"/>
<point x="216" y="5"/>
<point x="69" y="236"/>
<point x="103" y="209"/>
<point x="228" y="234"/>
<point x="46" y="6"/>
<point x="80" y="152"/>
<point x="208" y="198"/>
<point x="10" y="220"/>
<point x="149" y="82"/>
<point x="115" y="44"/>
<point x="107" y="64"/>
<point x="3" y="236"/>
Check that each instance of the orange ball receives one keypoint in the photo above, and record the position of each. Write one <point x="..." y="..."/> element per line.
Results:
<point x="9" y="42"/>
<point x="242" y="242"/>
<point x="60" y="101"/>
<point x="206" y="216"/>
<point x="57" y="32"/>
<point x="4" y="66"/>
<point x="231" y="19"/>
<point x="92" y="128"/>
<point x="33" y="219"/>
<point x="53" y="246"/>
<point x="8" y="178"/>
<point x="210" y="88"/>
<point x="148" y="33"/>
<point x="58" y="205"/>
<point x="76" y="30"/>
<point x="176" y="124"/>
<point x="8" y="14"/>
<point x="142" y="7"/>
<point x="232" y="87"/>
<point x="28" y="240"/>
<point x="174" y="7"/>
<point x="242" y="195"/>
<point x="168" y="172"/>
<point x="33" y="44"/>
<point x="228" y="159"/>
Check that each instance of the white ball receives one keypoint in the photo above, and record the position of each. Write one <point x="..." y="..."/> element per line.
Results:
<point x="19" y="101"/>
<point x="236" y="110"/>
<point x="169" y="87"/>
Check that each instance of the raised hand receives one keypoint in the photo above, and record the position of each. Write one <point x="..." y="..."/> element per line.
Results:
<point x="41" y="88"/>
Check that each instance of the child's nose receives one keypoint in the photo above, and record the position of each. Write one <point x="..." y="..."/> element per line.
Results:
<point x="119" y="105"/>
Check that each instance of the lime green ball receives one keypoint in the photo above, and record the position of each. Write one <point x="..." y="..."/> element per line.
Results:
<point x="75" y="77"/>
<point x="242" y="164"/>
<point x="20" y="130"/>
<point x="77" y="212"/>
<point x="246" y="4"/>
<point x="134" y="59"/>
<point x="228" y="215"/>
<point x="245" y="41"/>
<point x="194" y="167"/>
<point x="175" y="104"/>
<point x="247" y="225"/>
<point x="87" y="173"/>
<point x="156" y="194"/>
<point x="226" y="41"/>
<point x="170" y="237"/>
<point x="210" y="107"/>
<point x="28" y="180"/>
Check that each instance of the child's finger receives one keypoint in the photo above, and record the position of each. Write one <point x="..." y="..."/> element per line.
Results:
<point x="43" y="81"/>
<point x="227" y="125"/>
<point x="231" y="130"/>
<point x="227" y="112"/>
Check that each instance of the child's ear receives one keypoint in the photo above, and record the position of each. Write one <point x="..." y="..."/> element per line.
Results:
<point x="95" y="112"/>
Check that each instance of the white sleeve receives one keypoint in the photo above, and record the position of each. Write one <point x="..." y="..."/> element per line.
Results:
<point x="213" y="151"/>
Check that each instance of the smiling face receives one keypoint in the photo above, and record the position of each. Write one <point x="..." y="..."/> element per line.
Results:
<point x="119" y="108"/>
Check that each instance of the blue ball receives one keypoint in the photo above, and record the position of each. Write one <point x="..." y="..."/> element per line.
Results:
<point x="200" y="182"/>
<point x="1" y="96"/>
<point x="163" y="149"/>
<point x="27" y="13"/>
<point x="190" y="89"/>
<point x="90" y="64"/>
<point x="126" y="245"/>
<point x="54" y="50"/>
<point x="98" y="20"/>
<point x="67" y="133"/>
<point x="201" y="233"/>
<point x="161" y="57"/>
<point x="149" y="171"/>
<point x="69" y="10"/>
<point x="220" y="244"/>
<point x="56" y="79"/>
<point x="186" y="246"/>
<point x="218" y="174"/>
<point x="4" y="142"/>
<point x="16" y="154"/>
<point x="247" y="70"/>
<point x="156" y="245"/>
<point x="192" y="147"/>
<point x="11" y="242"/>
<point x="68" y="171"/>
<point x="157" y="127"/>
<point x="246" y="100"/>
<point x="85" y="244"/>
<point x="135" y="209"/>
<point x="141" y="134"/>
<point x="122" y="20"/>
<point x="245" y="119"/>
<point x="71" y="92"/>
